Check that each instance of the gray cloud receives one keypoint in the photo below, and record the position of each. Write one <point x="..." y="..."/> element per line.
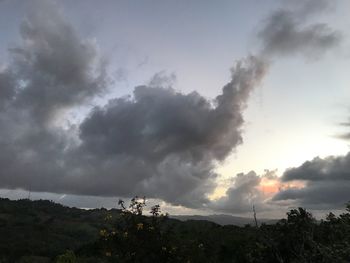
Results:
<point x="241" y="196"/>
<point x="330" y="168"/>
<point x="52" y="70"/>
<point x="54" y="67"/>
<point x="318" y="195"/>
<point x="159" y="121"/>
<point x="345" y="135"/>
<point x="159" y="142"/>
<point x="244" y="192"/>
<point x="327" y="183"/>
<point x="170" y="140"/>
<point x="286" y="31"/>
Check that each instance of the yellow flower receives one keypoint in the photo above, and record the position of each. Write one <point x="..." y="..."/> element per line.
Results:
<point x="103" y="233"/>
<point x="139" y="226"/>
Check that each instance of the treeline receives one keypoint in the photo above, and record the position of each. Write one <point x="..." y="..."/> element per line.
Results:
<point x="42" y="231"/>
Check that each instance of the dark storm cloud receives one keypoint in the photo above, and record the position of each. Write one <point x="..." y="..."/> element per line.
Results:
<point x="330" y="168"/>
<point x="158" y="142"/>
<point x="51" y="70"/>
<point x="287" y="31"/>
<point x="327" y="182"/>
<point x="318" y="195"/>
<point x="169" y="140"/>
<point x="54" y="66"/>
<point x="160" y="121"/>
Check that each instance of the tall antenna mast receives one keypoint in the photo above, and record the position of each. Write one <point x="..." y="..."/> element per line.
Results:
<point x="256" y="221"/>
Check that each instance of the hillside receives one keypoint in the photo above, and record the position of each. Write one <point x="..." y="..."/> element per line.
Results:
<point x="45" y="228"/>
<point x="222" y="219"/>
<point x="45" y="232"/>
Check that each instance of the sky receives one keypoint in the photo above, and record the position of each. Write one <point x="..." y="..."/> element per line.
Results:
<point x="204" y="107"/>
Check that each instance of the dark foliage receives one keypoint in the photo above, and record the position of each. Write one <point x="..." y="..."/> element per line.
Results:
<point x="42" y="231"/>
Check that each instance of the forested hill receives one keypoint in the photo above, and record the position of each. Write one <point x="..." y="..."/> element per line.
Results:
<point x="46" y="228"/>
<point x="42" y="231"/>
<point x="223" y="219"/>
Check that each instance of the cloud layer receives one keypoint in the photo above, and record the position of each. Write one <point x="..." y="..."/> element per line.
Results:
<point x="287" y="31"/>
<point x="327" y="183"/>
<point x="243" y="193"/>
<point x="157" y="142"/>
<point x="52" y="70"/>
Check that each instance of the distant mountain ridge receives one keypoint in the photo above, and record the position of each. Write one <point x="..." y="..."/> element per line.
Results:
<point x="223" y="219"/>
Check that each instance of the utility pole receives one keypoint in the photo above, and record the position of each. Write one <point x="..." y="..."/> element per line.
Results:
<point x="256" y="221"/>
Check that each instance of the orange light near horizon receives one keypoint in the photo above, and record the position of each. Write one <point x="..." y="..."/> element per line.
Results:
<point x="292" y="184"/>
<point x="269" y="186"/>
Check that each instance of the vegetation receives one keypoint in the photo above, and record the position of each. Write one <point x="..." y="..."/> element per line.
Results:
<point x="42" y="231"/>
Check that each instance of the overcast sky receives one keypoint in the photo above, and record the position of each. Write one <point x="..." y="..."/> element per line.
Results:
<point x="202" y="106"/>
